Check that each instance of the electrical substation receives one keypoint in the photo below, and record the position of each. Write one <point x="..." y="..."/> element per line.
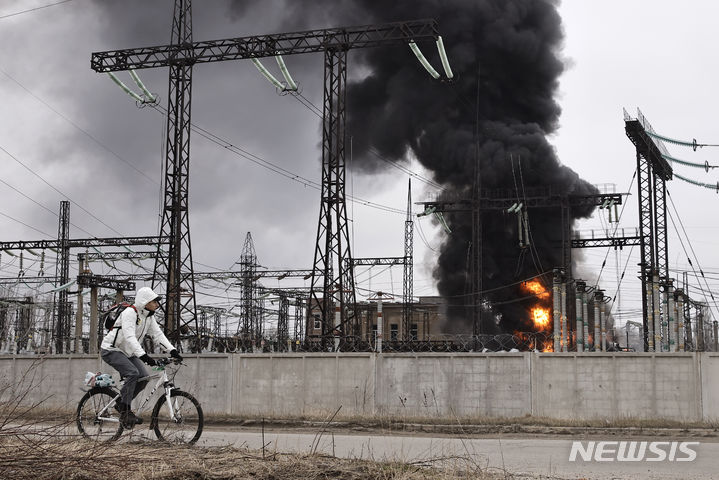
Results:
<point x="555" y="311"/>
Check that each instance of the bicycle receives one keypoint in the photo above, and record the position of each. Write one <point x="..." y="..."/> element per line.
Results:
<point x="180" y="421"/>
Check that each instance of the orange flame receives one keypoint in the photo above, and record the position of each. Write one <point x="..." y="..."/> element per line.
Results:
<point x="540" y="317"/>
<point x="535" y="287"/>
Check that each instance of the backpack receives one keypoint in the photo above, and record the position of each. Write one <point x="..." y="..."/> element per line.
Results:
<point x="110" y="316"/>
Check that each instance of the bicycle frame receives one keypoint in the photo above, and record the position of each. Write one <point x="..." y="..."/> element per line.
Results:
<point x="162" y="380"/>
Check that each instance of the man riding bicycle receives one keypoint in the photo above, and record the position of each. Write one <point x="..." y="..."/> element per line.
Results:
<point x="122" y="349"/>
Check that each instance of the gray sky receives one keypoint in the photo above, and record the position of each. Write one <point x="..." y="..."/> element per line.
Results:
<point x="86" y="138"/>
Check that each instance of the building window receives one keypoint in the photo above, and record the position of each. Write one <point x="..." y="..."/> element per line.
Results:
<point x="393" y="332"/>
<point x="318" y="322"/>
<point x="413" y="331"/>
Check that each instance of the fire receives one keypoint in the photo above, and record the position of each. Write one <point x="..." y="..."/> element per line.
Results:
<point x="536" y="288"/>
<point x="539" y="314"/>
<point x="534" y="341"/>
<point x="540" y="317"/>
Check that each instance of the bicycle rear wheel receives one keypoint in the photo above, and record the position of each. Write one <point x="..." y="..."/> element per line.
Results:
<point x="93" y="424"/>
<point x="184" y="425"/>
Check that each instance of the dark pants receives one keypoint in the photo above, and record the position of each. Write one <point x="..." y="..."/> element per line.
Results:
<point x="130" y="369"/>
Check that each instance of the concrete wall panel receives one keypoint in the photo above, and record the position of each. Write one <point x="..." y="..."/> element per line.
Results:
<point x="679" y="386"/>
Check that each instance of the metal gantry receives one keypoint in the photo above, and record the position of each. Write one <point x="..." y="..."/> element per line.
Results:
<point x="61" y="319"/>
<point x="332" y="248"/>
<point x="652" y="173"/>
<point x="503" y="200"/>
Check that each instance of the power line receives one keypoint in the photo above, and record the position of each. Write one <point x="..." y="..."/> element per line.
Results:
<point x="41" y="205"/>
<point x="25" y="224"/>
<point x="621" y="214"/>
<point x="34" y="9"/>
<point x="692" y="250"/>
<point x="54" y="188"/>
<point x="226" y="144"/>
<point x="85" y="132"/>
<point x="315" y="110"/>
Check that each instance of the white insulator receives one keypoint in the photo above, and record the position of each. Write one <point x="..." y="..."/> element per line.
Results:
<point x="596" y="340"/>
<point x="63" y="287"/>
<point x="520" y="230"/>
<point x="512" y="208"/>
<point x="124" y="87"/>
<point x="267" y="74"/>
<point x="150" y="98"/>
<point x="291" y="85"/>
<point x="565" y="328"/>
<point x="443" y="57"/>
<point x="650" y="317"/>
<point x="578" y="331"/>
<point x="440" y="217"/>
<point x="423" y="60"/>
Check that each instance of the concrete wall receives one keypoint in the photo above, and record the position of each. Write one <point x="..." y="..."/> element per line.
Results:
<point x="680" y="386"/>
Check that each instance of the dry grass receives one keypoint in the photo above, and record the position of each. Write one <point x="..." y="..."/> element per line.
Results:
<point x="36" y="443"/>
<point x="82" y="460"/>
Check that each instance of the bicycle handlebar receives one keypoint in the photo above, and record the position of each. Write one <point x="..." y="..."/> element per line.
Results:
<point x="167" y="361"/>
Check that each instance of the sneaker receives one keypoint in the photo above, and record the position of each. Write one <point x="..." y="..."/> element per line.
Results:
<point x="129" y="420"/>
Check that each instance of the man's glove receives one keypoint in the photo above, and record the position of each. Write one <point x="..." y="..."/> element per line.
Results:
<point x="148" y="360"/>
<point x="176" y="355"/>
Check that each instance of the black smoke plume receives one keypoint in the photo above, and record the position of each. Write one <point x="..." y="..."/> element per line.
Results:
<point x="499" y="109"/>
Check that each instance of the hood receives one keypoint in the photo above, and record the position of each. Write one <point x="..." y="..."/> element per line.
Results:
<point x="144" y="296"/>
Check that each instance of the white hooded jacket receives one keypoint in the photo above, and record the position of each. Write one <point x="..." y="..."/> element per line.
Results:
<point x="133" y="328"/>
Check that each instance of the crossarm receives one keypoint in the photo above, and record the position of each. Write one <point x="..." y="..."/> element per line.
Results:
<point x="84" y="242"/>
<point x="265" y="46"/>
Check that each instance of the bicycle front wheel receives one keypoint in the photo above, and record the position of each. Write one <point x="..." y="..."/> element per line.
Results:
<point x="96" y="416"/>
<point x="184" y="424"/>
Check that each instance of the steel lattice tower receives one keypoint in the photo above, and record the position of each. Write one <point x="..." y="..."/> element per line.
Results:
<point x="177" y="267"/>
<point x="652" y="173"/>
<point x="332" y="267"/>
<point x="250" y="328"/>
<point x="407" y="278"/>
<point x="333" y="260"/>
<point x="283" y="323"/>
<point x="62" y="316"/>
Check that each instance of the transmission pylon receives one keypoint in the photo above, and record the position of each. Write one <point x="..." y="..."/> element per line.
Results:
<point x="250" y="325"/>
<point x="407" y="278"/>
<point x="62" y="316"/>
<point x="176" y="269"/>
<point x="332" y="269"/>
